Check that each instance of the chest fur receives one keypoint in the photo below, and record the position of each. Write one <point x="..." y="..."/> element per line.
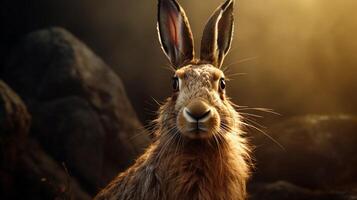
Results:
<point x="205" y="177"/>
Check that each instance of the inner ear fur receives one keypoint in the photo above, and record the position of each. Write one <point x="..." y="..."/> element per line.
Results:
<point x="217" y="35"/>
<point x="175" y="33"/>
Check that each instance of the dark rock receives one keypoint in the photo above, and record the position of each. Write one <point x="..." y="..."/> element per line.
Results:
<point x="14" y="125"/>
<point x="25" y="169"/>
<point x="80" y="109"/>
<point x="77" y="137"/>
<point x="319" y="152"/>
<point x="38" y="176"/>
<point x="14" y="117"/>
<point x="282" y="190"/>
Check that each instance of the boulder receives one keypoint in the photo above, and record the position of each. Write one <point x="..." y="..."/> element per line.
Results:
<point x="39" y="176"/>
<point x="14" y="125"/>
<point x="318" y="152"/>
<point x="25" y="169"/>
<point x="14" y="117"/>
<point x="81" y="113"/>
<point x="282" y="190"/>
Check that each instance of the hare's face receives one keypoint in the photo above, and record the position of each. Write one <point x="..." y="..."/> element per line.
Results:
<point x="200" y="104"/>
<point x="198" y="108"/>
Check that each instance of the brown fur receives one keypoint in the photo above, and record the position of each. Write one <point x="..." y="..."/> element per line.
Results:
<point x="176" y="167"/>
<point x="199" y="152"/>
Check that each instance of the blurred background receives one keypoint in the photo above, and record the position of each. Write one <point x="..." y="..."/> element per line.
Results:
<point x="295" y="57"/>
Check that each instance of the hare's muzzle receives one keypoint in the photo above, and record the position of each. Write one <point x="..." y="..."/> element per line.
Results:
<point x="197" y="119"/>
<point x="197" y="111"/>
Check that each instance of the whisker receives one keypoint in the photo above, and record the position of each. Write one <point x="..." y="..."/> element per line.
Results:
<point x="225" y="67"/>
<point x="142" y="132"/>
<point x="250" y="114"/>
<point x="264" y="133"/>
<point x="169" y="67"/>
<point x="157" y="102"/>
<point x="219" y="153"/>
<point x="230" y="76"/>
<point x="177" y="134"/>
<point x="164" y="147"/>
<point x="267" y="110"/>
<point x="254" y="122"/>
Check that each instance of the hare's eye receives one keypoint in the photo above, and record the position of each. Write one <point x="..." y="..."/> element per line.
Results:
<point x="222" y="84"/>
<point x="175" y="84"/>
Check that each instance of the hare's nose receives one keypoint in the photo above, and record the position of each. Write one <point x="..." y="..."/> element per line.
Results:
<point x="197" y="111"/>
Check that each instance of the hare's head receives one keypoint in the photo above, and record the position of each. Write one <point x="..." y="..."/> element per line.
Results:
<point x="199" y="107"/>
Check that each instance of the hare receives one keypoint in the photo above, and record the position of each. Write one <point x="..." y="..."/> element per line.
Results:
<point x="199" y="151"/>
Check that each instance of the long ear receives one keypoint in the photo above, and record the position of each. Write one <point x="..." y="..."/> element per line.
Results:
<point x="217" y="35"/>
<point x="175" y="33"/>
